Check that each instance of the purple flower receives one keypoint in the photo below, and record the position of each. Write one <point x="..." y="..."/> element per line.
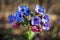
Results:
<point x="35" y="20"/>
<point x="11" y="19"/>
<point x="46" y="26"/>
<point x="46" y="18"/>
<point x="39" y="9"/>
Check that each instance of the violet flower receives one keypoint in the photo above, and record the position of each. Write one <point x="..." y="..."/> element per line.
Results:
<point x="46" y="18"/>
<point x="46" y="26"/>
<point x="11" y="19"/>
<point x="39" y="9"/>
<point x="35" y="20"/>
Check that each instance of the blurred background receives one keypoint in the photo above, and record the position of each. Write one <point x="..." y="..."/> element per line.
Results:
<point x="8" y="7"/>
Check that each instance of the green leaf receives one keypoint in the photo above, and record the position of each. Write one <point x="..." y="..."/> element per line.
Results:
<point x="29" y="35"/>
<point x="25" y="22"/>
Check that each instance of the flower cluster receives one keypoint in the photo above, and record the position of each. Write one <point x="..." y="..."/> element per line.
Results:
<point x="19" y="15"/>
<point x="38" y="23"/>
<point x="43" y="20"/>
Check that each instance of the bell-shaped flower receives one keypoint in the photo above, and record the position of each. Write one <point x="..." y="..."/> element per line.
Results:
<point x="18" y="13"/>
<point x="35" y="28"/>
<point x="35" y="20"/>
<point x="27" y="11"/>
<point x="46" y="26"/>
<point x="39" y="9"/>
<point x="19" y="18"/>
<point x="46" y="18"/>
<point x="11" y="19"/>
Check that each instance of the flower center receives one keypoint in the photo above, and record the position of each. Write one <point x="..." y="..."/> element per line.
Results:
<point x="22" y="10"/>
<point x="44" y="17"/>
<point x="39" y="10"/>
<point x="20" y="16"/>
<point x="35" y="19"/>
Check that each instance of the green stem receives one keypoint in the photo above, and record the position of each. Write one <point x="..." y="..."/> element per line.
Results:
<point x="30" y="33"/>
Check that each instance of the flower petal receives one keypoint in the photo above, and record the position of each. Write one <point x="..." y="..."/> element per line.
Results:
<point x="19" y="8"/>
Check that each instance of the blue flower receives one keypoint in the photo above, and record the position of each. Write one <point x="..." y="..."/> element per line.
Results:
<point x="27" y="12"/>
<point x="35" y="20"/>
<point x="40" y="9"/>
<point x="11" y="18"/>
<point x="18" y="13"/>
<point x="46" y="18"/>
<point x="46" y="26"/>
<point x="19" y="16"/>
<point x="19" y="19"/>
